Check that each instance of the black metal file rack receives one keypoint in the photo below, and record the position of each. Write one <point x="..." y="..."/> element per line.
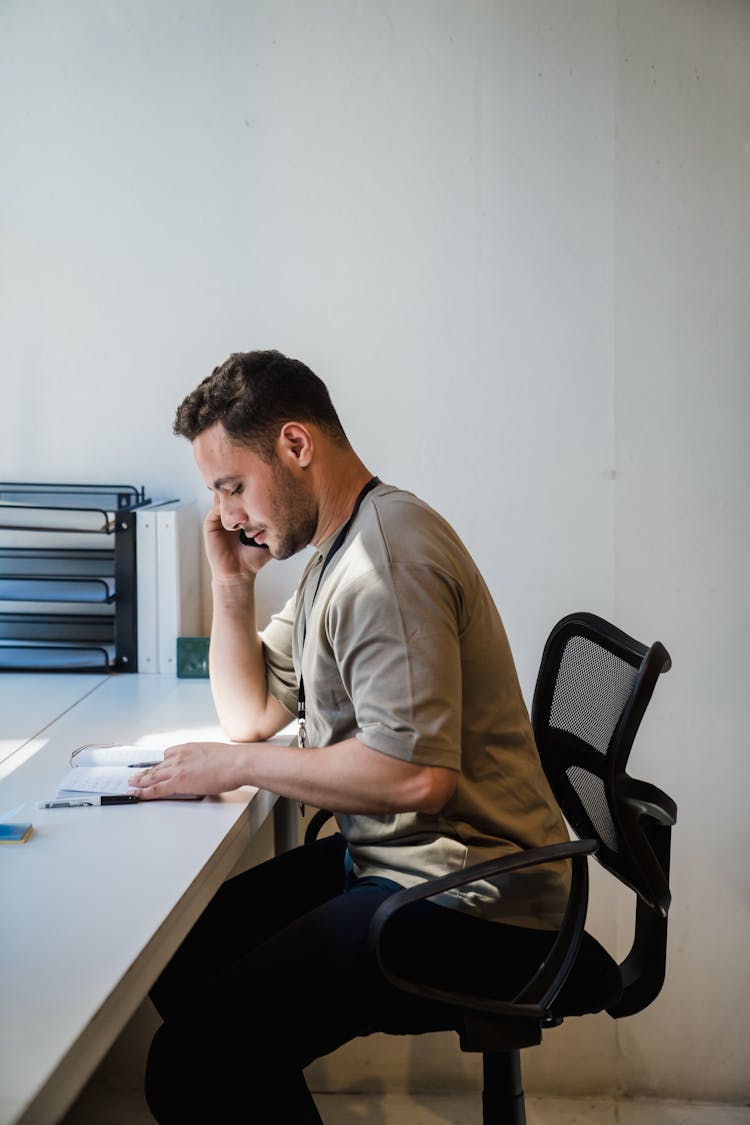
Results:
<point x="68" y="577"/>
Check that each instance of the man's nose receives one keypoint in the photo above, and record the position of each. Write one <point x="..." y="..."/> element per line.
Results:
<point x="232" y="513"/>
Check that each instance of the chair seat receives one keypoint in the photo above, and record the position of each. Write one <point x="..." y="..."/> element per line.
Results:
<point x="595" y="982"/>
<point x="593" y="985"/>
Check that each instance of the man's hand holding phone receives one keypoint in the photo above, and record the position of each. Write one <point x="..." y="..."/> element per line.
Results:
<point x="231" y="554"/>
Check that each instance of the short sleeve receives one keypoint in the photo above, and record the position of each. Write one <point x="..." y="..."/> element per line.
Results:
<point x="396" y="640"/>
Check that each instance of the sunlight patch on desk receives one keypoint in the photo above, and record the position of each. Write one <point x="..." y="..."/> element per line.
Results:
<point x="12" y="755"/>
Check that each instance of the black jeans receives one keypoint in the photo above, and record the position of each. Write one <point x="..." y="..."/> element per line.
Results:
<point x="277" y="972"/>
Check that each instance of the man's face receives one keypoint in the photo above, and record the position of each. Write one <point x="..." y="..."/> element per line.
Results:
<point x="265" y="499"/>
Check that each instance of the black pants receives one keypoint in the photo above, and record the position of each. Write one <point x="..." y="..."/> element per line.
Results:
<point x="277" y="972"/>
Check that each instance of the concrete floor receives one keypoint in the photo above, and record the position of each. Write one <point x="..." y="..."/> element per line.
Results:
<point x="107" y="1107"/>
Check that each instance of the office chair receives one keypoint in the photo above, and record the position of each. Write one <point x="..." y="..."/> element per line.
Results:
<point x="593" y="687"/>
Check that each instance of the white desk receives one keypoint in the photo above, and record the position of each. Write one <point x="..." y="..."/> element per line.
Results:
<point x="29" y="701"/>
<point x="96" y="902"/>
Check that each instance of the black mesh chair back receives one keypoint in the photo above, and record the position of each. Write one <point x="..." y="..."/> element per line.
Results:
<point x="592" y="690"/>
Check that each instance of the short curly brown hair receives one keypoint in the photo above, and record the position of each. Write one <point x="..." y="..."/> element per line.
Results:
<point x="253" y="394"/>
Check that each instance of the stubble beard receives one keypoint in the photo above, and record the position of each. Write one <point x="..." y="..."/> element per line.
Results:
<point x="296" y="515"/>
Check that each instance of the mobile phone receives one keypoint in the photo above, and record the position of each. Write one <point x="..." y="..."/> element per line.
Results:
<point x="246" y="541"/>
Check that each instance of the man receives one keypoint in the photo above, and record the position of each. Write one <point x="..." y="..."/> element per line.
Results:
<point x="413" y="732"/>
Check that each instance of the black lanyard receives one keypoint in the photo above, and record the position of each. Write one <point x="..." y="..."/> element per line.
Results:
<point x="301" y="737"/>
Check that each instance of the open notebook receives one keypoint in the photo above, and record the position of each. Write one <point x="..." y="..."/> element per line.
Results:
<point x="106" y="769"/>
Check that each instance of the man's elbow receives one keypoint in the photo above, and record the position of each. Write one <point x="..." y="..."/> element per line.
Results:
<point x="438" y="786"/>
<point x="237" y="730"/>
<point x="255" y="725"/>
<point x="239" y="733"/>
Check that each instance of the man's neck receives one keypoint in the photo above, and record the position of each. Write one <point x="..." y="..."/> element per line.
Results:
<point x="344" y="479"/>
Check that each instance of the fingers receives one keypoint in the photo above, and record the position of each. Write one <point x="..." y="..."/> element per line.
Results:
<point x="150" y="784"/>
<point x="175" y="774"/>
<point x="213" y="515"/>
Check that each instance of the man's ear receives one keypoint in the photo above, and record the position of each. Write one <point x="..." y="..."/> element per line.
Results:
<point x="295" y="445"/>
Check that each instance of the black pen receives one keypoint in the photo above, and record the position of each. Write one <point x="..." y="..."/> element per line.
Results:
<point x="141" y="765"/>
<point x="80" y="802"/>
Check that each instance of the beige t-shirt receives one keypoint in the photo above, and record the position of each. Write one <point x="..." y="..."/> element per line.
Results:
<point x="404" y="649"/>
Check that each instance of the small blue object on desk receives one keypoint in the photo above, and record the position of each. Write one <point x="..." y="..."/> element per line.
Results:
<point x="15" y="833"/>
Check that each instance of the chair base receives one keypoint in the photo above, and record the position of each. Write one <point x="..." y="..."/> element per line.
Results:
<point x="503" y="1100"/>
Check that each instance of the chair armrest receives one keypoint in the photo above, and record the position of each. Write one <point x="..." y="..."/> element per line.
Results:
<point x="534" y="999"/>
<point x="647" y="800"/>
<point x="321" y="817"/>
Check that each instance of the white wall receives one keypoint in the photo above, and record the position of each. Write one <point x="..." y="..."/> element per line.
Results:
<point x="682" y="408"/>
<point x="513" y="239"/>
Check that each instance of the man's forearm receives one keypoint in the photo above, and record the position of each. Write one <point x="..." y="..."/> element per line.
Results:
<point x="236" y="666"/>
<point x="349" y="777"/>
<point x="346" y="777"/>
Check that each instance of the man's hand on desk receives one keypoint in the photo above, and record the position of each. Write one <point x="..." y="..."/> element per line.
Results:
<point x="205" y="768"/>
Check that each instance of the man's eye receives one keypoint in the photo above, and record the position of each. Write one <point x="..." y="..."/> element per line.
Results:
<point x="236" y="490"/>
